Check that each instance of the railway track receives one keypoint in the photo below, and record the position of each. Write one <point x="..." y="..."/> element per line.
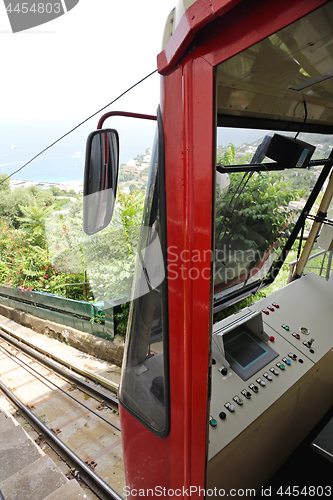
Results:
<point x="75" y="417"/>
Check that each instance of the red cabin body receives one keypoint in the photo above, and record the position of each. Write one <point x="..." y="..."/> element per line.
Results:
<point x="170" y="458"/>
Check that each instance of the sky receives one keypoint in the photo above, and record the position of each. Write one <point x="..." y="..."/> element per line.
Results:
<point x="57" y="74"/>
<point x="77" y="63"/>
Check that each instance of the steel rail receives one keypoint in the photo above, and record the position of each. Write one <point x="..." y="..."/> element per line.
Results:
<point x="84" y="386"/>
<point x="107" y="384"/>
<point x="38" y="375"/>
<point x="96" y="483"/>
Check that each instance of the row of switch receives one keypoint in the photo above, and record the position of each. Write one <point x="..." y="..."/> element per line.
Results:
<point x="307" y="343"/>
<point x="271" y="308"/>
<point x="305" y="331"/>
<point x="229" y="406"/>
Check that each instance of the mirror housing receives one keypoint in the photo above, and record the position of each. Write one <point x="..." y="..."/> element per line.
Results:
<point x="100" y="179"/>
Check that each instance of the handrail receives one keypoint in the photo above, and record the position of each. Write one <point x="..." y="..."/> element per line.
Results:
<point x="126" y="114"/>
<point x="294" y="262"/>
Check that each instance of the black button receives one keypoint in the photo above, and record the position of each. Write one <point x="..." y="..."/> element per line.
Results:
<point x="224" y="371"/>
<point x="222" y="415"/>
<point x="301" y="360"/>
<point x="213" y="361"/>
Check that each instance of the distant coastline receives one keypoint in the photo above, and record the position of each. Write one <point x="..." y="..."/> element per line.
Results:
<point x="76" y="186"/>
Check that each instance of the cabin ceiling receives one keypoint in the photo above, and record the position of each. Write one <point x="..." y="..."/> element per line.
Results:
<point x="273" y="78"/>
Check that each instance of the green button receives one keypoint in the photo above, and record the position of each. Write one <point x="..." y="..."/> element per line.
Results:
<point x="282" y="367"/>
<point x="213" y="422"/>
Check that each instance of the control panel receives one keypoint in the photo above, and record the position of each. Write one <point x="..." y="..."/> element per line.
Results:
<point x="265" y="352"/>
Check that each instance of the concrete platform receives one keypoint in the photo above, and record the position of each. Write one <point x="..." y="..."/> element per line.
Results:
<point x="26" y="473"/>
<point x="111" y="352"/>
<point x="69" y="491"/>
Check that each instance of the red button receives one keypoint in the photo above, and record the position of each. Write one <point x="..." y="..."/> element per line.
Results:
<point x="276" y="305"/>
<point x="265" y="312"/>
<point x="271" y="309"/>
<point x="272" y="339"/>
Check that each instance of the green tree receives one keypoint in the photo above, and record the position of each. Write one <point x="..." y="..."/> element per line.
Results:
<point x="110" y="255"/>
<point x="129" y="210"/>
<point x="4" y="183"/>
<point x="22" y="265"/>
<point x="253" y="216"/>
<point x="11" y="201"/>
<point x="34" y="217"/>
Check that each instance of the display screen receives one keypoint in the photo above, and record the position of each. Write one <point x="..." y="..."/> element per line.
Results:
<point x="246" y="352"/>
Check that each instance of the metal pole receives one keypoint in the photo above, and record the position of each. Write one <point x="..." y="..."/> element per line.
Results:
<point x="325" y="203"/>
<point x="329" y="264"/>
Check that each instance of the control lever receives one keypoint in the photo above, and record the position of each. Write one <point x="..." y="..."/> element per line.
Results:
<point x="225" y="365"/>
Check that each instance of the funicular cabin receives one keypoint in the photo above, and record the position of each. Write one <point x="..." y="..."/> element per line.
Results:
<point x="221" y="405"/>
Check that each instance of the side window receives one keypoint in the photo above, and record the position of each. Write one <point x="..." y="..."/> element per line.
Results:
<point x="144" y="384"/>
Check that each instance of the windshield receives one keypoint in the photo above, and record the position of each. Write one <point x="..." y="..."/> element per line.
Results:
<point x="257" y="214"/>
<point x="144" y="387"/>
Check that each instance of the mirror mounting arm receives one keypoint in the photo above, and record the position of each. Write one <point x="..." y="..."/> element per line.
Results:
<point x="124" y="113"/>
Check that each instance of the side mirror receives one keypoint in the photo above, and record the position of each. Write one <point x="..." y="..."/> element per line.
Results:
<point x="100" y="179"/>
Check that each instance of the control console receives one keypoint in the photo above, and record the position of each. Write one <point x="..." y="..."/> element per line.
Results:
<point x="272" y="380"/>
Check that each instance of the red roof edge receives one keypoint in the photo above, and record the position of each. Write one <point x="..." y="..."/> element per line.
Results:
<point x="195" y="18"/>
